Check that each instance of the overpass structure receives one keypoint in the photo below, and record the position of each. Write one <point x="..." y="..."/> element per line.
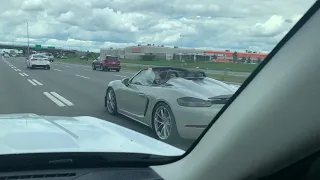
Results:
<point x="24" y="48"/>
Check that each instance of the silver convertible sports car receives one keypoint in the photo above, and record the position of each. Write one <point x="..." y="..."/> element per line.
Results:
<point x="174" y="102"/>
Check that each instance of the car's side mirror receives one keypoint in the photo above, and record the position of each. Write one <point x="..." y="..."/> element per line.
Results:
<point x="125" y="81"/>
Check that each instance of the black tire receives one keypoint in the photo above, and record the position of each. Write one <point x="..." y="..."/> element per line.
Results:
<point x="117" y="70"/>
<point x="31" y="67"/>
<point x="174" y="135"/>
<point x="115" y="110"/>
<point x="48" y="68"/>
<point x="101" y="67"/>
<point x="93" y="67"/>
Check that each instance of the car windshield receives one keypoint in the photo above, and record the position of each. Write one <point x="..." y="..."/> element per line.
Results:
<point x="128" y="76"/>
<point x="112" y="58"/>
<point x="39" y="56"/>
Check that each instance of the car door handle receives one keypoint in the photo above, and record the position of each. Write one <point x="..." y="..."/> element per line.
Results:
<point x="141" y="94"/>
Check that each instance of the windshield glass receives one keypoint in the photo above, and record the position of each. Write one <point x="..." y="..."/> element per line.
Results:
<point x="166" y="70"/>
<point x="39" y="56"/>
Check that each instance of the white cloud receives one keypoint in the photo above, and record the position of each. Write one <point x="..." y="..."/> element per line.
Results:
<point x="32" y="5"/>
<point x="91" y="24"/>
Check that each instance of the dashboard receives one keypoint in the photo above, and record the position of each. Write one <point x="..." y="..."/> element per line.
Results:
<point x="84" y="174"/>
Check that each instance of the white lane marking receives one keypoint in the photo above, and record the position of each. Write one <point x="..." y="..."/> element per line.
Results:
<point x="10" y="65"/>
<point x="13" y="67"/>
<point x="82" y="76"/>
<point x="37" y="82"/>
<point x="120" y="75"/>
<point x="55" y="100"/>
<point x="30" y="81"/>
<point x="128" y="72"/>
<point x="17" y="70"/>
<point x="25" y="74"/>
<point x="57" y="70"/>
<point x="64" y="100"/>
<point x="87" y="69"/>
<point x="21" y="74"/>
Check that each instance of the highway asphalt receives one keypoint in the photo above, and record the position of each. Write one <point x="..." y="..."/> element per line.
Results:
<point x="80" y="89"/>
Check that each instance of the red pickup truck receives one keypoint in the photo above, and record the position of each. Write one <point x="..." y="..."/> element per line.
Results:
<point x="107" y="63"/>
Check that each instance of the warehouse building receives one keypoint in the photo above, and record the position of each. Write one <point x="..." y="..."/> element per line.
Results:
<point x="179" y="54"/>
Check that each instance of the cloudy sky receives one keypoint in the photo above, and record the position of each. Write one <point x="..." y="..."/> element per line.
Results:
<point x="92" y="24"/>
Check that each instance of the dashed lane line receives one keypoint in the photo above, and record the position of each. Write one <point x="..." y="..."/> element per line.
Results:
<point x="58" y="99"/>
<point x="120" y="75"/>
<point x="54" y="99"/>
<point x="64" y="100"/>
<point x="82" y="76"/>
<point x="37" y="82"/>
<point x="30" y="81"/>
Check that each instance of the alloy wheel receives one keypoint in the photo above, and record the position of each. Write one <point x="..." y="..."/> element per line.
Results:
<point x="111" y="101"/>
<point x="162" y="122"/>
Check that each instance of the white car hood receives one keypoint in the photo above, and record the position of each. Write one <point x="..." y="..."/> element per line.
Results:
<point x="30" y="133"/>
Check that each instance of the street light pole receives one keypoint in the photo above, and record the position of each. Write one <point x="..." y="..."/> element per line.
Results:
<point x="28" y="39"/>
<point x="181" y="36"/>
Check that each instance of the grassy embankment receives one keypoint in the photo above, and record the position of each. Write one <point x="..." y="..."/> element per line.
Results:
<point x="200" y="65"/>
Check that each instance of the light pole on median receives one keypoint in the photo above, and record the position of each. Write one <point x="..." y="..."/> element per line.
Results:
<point x="28" y="39"/>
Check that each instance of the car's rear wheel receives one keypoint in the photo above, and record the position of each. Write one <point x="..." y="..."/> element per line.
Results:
<point x="111" y="102"/>
<point x="93" y="67"/>
<point x="117" y="70"/>
<point x="48" y="67"/>
<point x="164" y="124"/>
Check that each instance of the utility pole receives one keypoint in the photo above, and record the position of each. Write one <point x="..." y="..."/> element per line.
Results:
<point x="181" y="36"/>
<point x="28" y="39"/>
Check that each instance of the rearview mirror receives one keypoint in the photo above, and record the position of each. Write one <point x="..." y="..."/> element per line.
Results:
<point x="125" y="81"/>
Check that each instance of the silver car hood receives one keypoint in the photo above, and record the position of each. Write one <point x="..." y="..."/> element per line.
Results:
<point x="206" y="87"/>
<point x="30" y="133"/>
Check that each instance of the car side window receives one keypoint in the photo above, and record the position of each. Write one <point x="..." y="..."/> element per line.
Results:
<point x="144" y="78"/>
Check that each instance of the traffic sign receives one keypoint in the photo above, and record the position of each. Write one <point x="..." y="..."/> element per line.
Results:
<point x="38" y="47"/>
<point x="51" y="47"/>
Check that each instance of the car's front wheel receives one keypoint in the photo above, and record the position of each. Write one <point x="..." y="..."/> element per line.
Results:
<point x="164" y="123"/>
<point x="93" y="67"/>
<point x="111" y="102"/>
<point x="102" y="68"/>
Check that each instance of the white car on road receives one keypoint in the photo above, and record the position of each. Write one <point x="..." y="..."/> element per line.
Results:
<point x="48" y="55"/>
<point x="38" y="60"/>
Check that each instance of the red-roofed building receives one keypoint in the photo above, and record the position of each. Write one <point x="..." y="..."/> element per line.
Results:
<point x="224" y="55"/>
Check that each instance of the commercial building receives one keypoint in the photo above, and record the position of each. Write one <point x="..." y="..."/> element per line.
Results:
<point x="181" y="54"/>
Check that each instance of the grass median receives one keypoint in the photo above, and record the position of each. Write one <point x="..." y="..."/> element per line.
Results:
<point x="75" y="61"/>
<point x="200" y="65"/>
<point x="228" y="78"/>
